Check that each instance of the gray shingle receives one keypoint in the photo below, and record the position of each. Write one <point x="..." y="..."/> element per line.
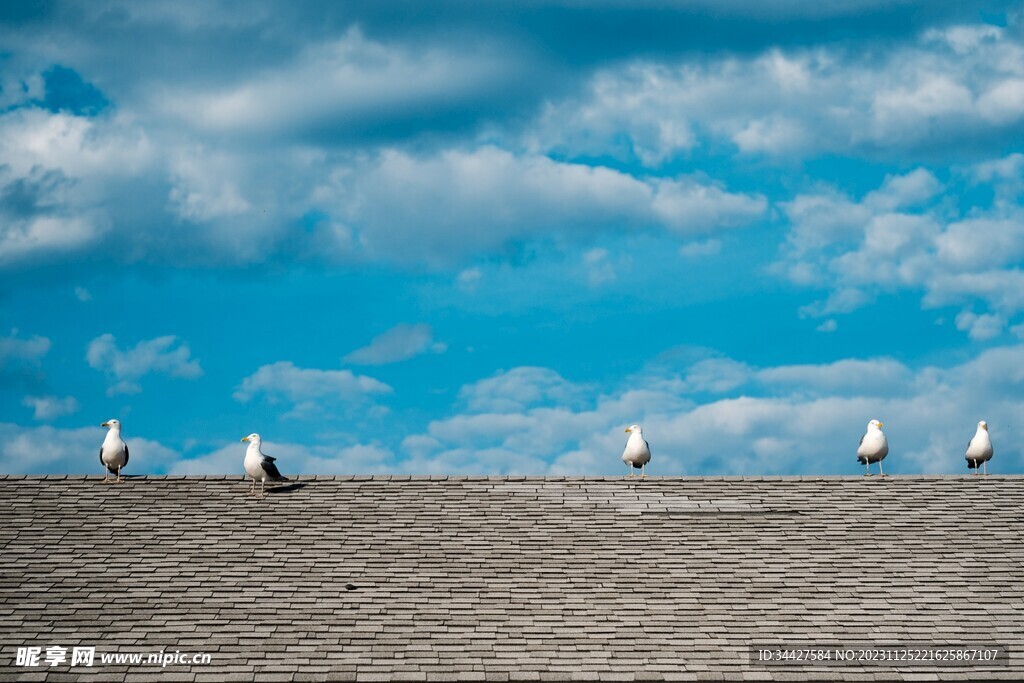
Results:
<point x="510" y="578"/>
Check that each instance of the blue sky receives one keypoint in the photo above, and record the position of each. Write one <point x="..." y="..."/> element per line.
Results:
<point x="449" y="238"/>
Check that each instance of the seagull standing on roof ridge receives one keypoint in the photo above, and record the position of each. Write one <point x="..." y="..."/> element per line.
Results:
<point x="979" y="450"/>
<point x="113" y="452"/>
<point x="638" y="452"/>
<point x="873" y="448"/>
<point x="260" y="466"/>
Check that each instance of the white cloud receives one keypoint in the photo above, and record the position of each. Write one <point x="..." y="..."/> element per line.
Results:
<point x="442" y="209"/>
<point x="45" y="235"/>
<point x="61" y="167"/>
<point x="906" y="235"/>
<point x="294" y="459"/>
<point x="352" y="80"/>
<point x="700" y="249"/>
<point x="51" y="407"/>
<point x="980" y="327"/>
<point x="48" y="450"/>
<point x="310" y="391"/>
<point x="14" y="349"/>
<point x="774" y="420"/>
<point x="936" y="91"/>
<point x="82" y="294"/>
<point x="124" y="368"/>
<point x="401" y="342"/>
<point x="517" y="389"/>
<point x="599" y="267"/>
<point x="205" y="185"/>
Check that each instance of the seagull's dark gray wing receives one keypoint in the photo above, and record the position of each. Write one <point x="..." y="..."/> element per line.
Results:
<point x="270" y="468"/>
<point x="126" y="454"/>
<point x="101" y="455"/>
<point x="861" y="442"/>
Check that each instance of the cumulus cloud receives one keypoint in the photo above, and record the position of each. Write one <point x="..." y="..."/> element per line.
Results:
<point x="49" y="450"/>
<point x="519" y="388"/>
<point x="935" y="91"/>
<point x="166" y="355"/>
<point x="401" y="342"/>
<point x="443" y="208"/>
<point x="773" y="420"/>
<point x="295" y="459"/>
<point x="46" y="408"/>
<point x="309" y="391"/>
<point x="904" y="235"/>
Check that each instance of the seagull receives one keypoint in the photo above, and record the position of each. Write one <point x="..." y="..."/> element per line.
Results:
<point x="979" y="450"/>
<point x="113" y="452"/>
<point x="259" y="465"/>
<point x="638" y="452"/>
<point x="873" y="448"/>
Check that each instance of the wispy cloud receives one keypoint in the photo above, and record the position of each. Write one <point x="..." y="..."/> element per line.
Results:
<point x="15" y="349"/>
<point x="47" y="408"/>
<point x="125" y="368"/>
<point x="401" y="342"/>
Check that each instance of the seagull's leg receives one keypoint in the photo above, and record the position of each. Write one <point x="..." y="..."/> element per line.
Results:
<point x="867" y="468"/>
<point x="643" y="471"/>
<point x="263" y="488"/>
<point x="119" y="479"/>
<point x="106" y="473"/>
<point x="984" y="467"/>
<point x="975" y="466"/>
<point x="880" y="472"/>
<point x="252" y="489"/>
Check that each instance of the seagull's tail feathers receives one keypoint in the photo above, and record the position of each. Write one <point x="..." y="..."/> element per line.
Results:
<point x="862" y="459"/>
<point x="972" y="463"/>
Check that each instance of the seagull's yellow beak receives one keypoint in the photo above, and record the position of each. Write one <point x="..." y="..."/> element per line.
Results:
<point x="879" y="423"/>
<point x="245" y="438"/>
<point x="105" y="424"/>
<point x="627" y="430"/>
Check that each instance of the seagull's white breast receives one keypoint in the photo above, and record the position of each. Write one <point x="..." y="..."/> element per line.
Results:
<point x="980" y="447"/>
<point x="637" y="452"/>
<point x="113" y="449"/>
<point x="254" y="462"/>
<point x="874" y="446"/>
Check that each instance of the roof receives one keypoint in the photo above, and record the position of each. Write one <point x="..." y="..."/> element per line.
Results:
<point x="442" y="578"/>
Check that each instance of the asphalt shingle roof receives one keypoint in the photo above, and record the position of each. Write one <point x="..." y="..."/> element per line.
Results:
<point x="496" y="578"/>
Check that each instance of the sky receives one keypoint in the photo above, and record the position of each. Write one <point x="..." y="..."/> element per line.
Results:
<point x="484" y="238"/>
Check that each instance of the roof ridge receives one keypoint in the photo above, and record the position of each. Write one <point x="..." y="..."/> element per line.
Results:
<point x="513" y="477"/>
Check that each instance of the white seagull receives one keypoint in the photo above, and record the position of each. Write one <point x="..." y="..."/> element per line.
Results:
<point x="979" y="450"/>
<point x="638" y="452"/>
<point x="113" y="452"/>
<point x="259" y="465"/>
<point x="873" y="448"/>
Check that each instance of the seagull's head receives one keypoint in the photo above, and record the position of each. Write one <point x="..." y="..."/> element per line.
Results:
<point x="112" y="424"/>
<point x="252" y="438"/>
<point x="983" y="425"/>
<point x="875" y="423"/>
<point x="634" y="429"/>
